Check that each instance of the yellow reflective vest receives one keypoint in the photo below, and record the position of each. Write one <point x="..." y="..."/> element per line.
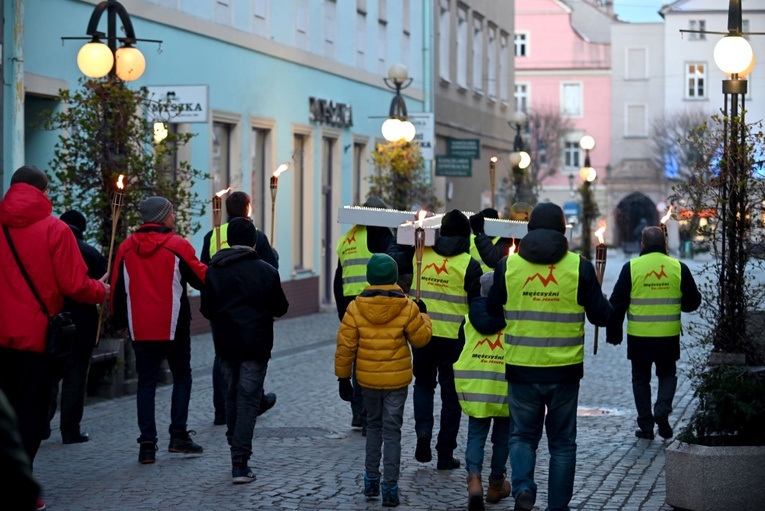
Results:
<point x="223" y="239"/>
<point x="477" y="256"/>
<point x="654" y="309"/>
<point x="354" y="255"/>
<point x="442" y="288"/>
<point x="479" y="374"/>
<point x="545" y="322"/>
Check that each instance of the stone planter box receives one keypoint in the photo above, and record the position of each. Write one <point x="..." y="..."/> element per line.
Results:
<point x="701" y="478"/>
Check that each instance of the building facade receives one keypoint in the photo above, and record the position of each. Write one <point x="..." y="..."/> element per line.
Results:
<point x="297" y="81"/>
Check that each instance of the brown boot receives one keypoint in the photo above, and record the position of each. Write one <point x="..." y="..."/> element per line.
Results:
<point x="498" y="489"/>
<point x="475" y="492"/>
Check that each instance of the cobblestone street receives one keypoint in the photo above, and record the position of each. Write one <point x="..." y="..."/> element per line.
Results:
<point x="307" y="457"/>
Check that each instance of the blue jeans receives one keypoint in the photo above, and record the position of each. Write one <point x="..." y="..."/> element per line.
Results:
<point x="527" y="415"/>
<point x="385" y="415"/>
<point x="148" y="357"/>
<point x="244" y="387"/>
<point x="478" y="430"/>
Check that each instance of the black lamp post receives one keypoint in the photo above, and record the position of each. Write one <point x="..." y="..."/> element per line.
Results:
<point x="589" y="206"/>
<point x="397" y="127"/>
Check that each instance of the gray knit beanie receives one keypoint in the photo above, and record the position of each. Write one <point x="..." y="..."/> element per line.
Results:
<point x="154" y="210"/>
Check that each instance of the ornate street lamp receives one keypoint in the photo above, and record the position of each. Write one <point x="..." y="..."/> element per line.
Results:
<point x="397" y="127"/>
<point x="589" y="207"/>
<point x="97" y="59"/>
<point x="519" y="159"/>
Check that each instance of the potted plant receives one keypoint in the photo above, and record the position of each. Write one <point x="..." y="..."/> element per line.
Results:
<point x="718" y="460"/>
<point x="104" y="131"/>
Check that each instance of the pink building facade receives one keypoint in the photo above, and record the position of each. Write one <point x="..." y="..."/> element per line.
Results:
<point x="563" y="65"/>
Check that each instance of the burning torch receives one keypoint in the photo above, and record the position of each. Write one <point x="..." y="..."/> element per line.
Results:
<point x="217" y="204"/>
<point x="492" y="169"/>
<point x="419" y="247"/>
<point x="664" y="229"/>
<point x="118" y="200"/>
<point x="274" y="185"/>
<point x="601" y="253"/>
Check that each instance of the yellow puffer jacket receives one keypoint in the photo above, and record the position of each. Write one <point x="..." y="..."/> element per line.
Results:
<point x="374" y="332"/>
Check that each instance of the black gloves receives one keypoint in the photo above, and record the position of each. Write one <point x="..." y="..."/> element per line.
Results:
<point x="421" y="306"/>
<point x="476" y="223"/>
<point x="345" y="388"/>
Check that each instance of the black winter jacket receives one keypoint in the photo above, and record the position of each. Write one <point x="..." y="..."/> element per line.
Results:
<point x="262" y="247"/>
<point x="546" y="246"/>
<point x="492" y="253"/>
<point x="649" y="349"/>
<point x="241" y="297"/>
<point x="481" y="320"/>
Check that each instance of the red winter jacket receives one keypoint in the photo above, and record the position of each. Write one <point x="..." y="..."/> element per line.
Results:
<point x="48" y="250"/>
<point x="152" y="268"/>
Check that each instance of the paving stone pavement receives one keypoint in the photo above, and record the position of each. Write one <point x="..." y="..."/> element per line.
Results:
<point x="307" y="457"/>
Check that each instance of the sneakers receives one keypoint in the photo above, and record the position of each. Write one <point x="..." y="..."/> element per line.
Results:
<point x="525" y="501"/>
<point x="646" y="434"/>
<point x="449" y="463"/>
<point x="184" y="444"/>
<point x="390" y="496"/>
<point x="241" y="473"/>
<point x="422" y="452"/>
<point x="371" y="486"/>
<point x="498" y="489"/>
<point x="665" y="430"/>
<point x="147" y="453"/>
<point x="40" y="505"/>
<point x="268" y="402"/>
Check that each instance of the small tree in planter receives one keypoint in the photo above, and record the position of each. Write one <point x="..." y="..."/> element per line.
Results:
<point x="729" y="385"/>
<point x="400" y="178"/>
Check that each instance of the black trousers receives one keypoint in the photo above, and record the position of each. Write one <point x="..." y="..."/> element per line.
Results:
<point x="72" y="373"/>
<point x="641" y="389"/>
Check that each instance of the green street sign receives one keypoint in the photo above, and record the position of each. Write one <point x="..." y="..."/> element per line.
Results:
<point x="464" y="147"/>
<point x="454" y="167"/>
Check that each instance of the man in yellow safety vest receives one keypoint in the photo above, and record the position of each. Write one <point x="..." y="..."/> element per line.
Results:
<point x="543" y="293"/>
<point x="652" y="289"/>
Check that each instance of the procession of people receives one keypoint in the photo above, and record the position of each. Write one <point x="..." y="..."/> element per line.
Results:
<point x="497" y="323"/>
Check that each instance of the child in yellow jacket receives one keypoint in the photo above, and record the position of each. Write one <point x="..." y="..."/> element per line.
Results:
<point x="376" y="331"/>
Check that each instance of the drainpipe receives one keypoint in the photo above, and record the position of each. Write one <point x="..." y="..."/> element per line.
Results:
<point x="427" y="65"/>
<point x="17" y="82"/>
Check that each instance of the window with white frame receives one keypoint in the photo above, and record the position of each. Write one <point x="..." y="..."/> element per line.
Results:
<point x="636" y="67"/>
<point x="462" y="46"/>
<point x="382" y="43"/>
<point x="635" y="121"/>
<point x="697" y="25"/>
<point x="301" y="24"/>
<point x="522" y="97"/>
<point x="330" y="22"/>
<point x="478" y="54"/>
<point x="260" y="165"/>
<point x="298" y="197"/>
<point x="260" y="17"/>
<point x="444" y="39"/>
<point x="361" y="39"/>
<point x="521" y="44"/>
<point x="491" y="61"/>
<point x="503" y="66"/>
<point x="695" y="80"/>
<point x="571" y="99"/>
<point x="571" y="154"/>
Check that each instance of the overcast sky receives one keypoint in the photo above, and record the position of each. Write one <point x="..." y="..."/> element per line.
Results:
<point x="639" y="11"/>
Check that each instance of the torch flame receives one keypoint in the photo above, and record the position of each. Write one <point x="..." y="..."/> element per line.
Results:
<point x="494" y="159"/>
<point x="667" y="216"/>
<point x="600" y="231"/>
<point x="421" y="215"/>
<point x="511" y="251"/>
<point x="120" y="184"/>
<point x="249" y="210"/>
<point x="223" y="192"/>
<point x="283" y="167"/>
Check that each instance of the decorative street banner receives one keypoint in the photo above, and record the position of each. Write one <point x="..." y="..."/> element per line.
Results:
<point x="464" y="147"/>
<point x="189" y="102"/>
<point x="454" y="167"/>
